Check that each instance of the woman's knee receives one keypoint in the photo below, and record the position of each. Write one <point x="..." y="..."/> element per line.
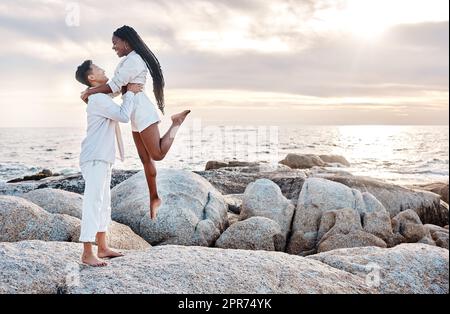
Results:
<point x="150" y="169"/>
<point x="158" y="156"/>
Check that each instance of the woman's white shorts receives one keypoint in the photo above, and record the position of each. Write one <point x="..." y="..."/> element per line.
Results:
<point x="144" y="114"/>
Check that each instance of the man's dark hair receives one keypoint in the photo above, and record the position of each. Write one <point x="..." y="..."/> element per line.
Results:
<point x="83" y="71"/>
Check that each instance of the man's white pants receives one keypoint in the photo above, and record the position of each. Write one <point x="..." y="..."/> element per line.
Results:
<point x="96" y="215"/>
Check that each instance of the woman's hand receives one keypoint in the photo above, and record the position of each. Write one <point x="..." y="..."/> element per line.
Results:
<point x="84" y="95"/>
<point x="135" y="87"/>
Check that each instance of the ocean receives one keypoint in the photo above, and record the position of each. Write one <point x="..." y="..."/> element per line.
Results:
<point x="399" y="154"/>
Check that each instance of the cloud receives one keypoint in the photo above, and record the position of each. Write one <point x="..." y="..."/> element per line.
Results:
<point x="247" y="47"/>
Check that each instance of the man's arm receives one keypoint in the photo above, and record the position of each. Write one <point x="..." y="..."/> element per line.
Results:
<point x="109" y="109"/>
<point x="104" y="89"/>
<point x="130" y="69"/>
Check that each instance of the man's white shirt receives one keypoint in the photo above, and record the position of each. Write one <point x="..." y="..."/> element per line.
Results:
<point x="103" y="115"/>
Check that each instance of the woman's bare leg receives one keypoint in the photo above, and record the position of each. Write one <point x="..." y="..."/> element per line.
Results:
<point x="152" y="147"/>
<point x="159" y="146"/>
<point x="150" y="174"/>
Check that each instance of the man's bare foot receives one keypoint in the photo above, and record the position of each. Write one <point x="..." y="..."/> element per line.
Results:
<point x="154" y="205"/>
<point x="178" y="118"/>
<point x="93" y="261"/>
<point x="108" y="253"/>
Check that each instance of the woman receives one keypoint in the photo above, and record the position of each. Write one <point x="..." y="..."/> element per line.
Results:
<point x="138" y="60"/>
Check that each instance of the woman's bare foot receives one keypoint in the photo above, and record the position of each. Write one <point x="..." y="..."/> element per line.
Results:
<point x="108" y="253"/>
<point x="154" y="205"/>
<point x="178" y="118"/>
<point x="93" y="261"/>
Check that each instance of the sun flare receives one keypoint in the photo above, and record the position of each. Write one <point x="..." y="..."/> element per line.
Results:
<point x="369" y="19"/>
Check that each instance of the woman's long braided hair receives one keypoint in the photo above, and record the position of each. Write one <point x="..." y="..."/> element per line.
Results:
<point x="128" y="34"/>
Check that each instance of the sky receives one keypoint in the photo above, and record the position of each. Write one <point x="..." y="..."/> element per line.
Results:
<point x="236" y="62"/>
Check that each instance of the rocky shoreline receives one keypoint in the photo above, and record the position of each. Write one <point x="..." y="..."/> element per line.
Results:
<point x="303" y="225"/>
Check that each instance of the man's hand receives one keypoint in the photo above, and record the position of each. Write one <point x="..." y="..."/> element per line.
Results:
<point x="84" y="95"/>
<point x="135" y="87"/>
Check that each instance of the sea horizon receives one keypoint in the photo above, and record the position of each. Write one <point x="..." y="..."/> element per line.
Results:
<point x="402" y="154"/>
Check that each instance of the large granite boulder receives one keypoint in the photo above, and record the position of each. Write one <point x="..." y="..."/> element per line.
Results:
<point x="320" y="196"/>
<point x="306" y="161"/>
<point x="302" y="161"/>
<point x="255" y="233"/>
<point x="439" y="235"/>
<point x="409" y="226"/>
<point x="72" y="183"/>
<point x="234" y="180"/>
<point x="53" y="267"/>
<point x="263" y="198"/>
<point x="335" y="159"/>
<point x="21" y="220"/>
<point x="406" y="268"/>
<point x="57" y="201"/>
<point x="346" y="231"/>
<point x="440" y="188"/>
<point x="396" y="198"/>
<point x="213" y="164"/>
<point x="356" y="238"/>
<point x="192" y="212"/>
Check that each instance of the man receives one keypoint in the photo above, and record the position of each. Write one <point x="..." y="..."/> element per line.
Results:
<point x="96" y="160"/>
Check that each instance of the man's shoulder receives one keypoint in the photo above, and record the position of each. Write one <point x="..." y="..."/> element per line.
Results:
<point x="99" y="97"/>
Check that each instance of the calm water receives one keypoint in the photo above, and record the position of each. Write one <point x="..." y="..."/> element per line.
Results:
<point x="399" y="154"/>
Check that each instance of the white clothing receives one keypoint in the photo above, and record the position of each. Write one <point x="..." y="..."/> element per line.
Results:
<point x="96" y="213"/>
<point x="103" y="115"/>
<point x="132" y="69"/>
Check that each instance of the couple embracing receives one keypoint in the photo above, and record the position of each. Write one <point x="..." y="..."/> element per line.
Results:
<point x="103" y="116"/>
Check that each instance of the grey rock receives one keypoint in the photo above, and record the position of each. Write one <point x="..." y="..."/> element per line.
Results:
<point x="335" y="159"/>
<point x="356" y="238"/>
<point x="234" y="202"/>
<point x="302" y="161"/>
<point x="53" y="267"/>
<point x="319" y="196"/>
<point x="192" y="212"/>
<point x="397" y="198"/>
<point x="317" y="171"/>
<point x="408" y="224"/>
<point x="57" y="201"/>
<point x="234" y="180"/>
<point x="255" y="233"/>
<point x="345" y="232"/>
<point x="263" y="198"/>
<point x="22" y="220"/>
<point x="440" y="188"/>
<point x="72" y="183"/>
<point x="232" y="218"/>
<point x="441" y="239"/>
<point x="439" y="235"/>
<point x="404" y="269"/>
<point x="35" y="177"/>
<point x="434" y="228"/>
<point x="212" y="164"/>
